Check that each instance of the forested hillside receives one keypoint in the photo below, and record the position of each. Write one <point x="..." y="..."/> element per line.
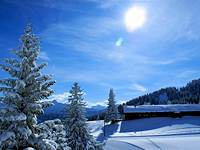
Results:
<point x="189" y="94"/>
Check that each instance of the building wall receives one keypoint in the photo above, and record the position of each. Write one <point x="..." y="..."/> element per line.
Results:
<point x="138" y="115"/>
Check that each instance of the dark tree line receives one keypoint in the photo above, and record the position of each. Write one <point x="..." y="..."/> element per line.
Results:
<point x="99" y="116"/>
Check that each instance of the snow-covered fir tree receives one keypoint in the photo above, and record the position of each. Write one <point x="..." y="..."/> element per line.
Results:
<point x="112" y="110"/>
<point x="77" y="132"/>
<point x="21" y="96"/>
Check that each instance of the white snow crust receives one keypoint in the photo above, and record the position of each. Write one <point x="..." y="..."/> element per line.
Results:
<point x="150" y="133"/>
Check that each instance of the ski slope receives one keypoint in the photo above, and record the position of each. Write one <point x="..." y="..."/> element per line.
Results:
<point x="150" y="133"/>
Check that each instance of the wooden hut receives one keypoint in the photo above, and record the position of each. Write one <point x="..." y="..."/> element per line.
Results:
<point x="145" y="111"/>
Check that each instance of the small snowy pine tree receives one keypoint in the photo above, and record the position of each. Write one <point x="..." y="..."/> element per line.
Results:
<point x="21" y="96"/>
<point x="77" y="131"/>
<point x="112" y="110"/>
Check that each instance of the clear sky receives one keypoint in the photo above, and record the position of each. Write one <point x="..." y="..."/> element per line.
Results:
<point x="89" y="42"/>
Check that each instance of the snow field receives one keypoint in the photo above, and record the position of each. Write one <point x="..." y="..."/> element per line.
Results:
<point x="150" y="133"/>
<point x="95" y="127"/>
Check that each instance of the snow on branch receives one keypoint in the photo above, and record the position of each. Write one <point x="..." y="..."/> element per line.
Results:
<point x="33" y="57"/>
<point x="43" y="129"/>
<point x="19" y="117"/>
<point x="20" y="84"/>
<point x="29" y="148"/>
<point x="41" y="94"/>
<point x="35" y="44"/>
<point x="35" y="96"/>
<point x="12" y="98"/>
<point x="6" y="135"/>
<point x="12" y="95"/>
<point x="42" y="143"/>
<point x="46" y="104"/>
<point x="8" y="82"/>
<point x="17" y="53"/>
<point x="44" y="78"/>
<point x="7" y="110"/>
<point x="47" y="93"/>
<point x="50" y="123"/>
<point x="12" y="62"/>
<point x="28" y="29"/>
<point x="23" y="48"/>
<point x="1" y="99"/>
<point x="32" y="120"/>
<point x="32" y="75"/>
<point x="5" y="89"/>
<point x="42" y="65"/>
<point x="3" y="110"/>
<point x="46" y="144"/>
<point x="33" y="87"/>
<point x="46" y="85"/>
<point x="10" y="70"/>
<point x="35" y="39"/>
<point x="32" y="107"/>
<point x="35" y="49"/>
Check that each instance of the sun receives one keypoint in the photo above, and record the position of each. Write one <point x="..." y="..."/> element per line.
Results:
<point x="134" y="18"/>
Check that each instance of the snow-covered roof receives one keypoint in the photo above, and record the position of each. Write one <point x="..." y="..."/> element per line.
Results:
<point x="162" y="108"/>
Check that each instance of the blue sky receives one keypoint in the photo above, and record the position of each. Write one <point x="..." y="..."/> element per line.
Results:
<point x="79" y="43"/>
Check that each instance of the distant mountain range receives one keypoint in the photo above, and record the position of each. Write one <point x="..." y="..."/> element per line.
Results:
<point x="98" y="107"/>
<point x="57" y="111"/>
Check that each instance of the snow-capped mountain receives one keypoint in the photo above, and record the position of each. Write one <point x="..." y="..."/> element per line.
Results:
<point x="98" y="107"/>
<point x="58" y="111"/>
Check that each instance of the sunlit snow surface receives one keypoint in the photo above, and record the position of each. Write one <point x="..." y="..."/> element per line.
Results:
<point x="150" y="133"/>
<point x="162" y="108"/>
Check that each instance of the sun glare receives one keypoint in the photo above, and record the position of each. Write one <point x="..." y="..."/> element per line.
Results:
<point x="134" y="18"/>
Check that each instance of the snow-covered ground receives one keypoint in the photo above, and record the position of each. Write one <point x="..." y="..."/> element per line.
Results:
<point x="150" y="133"/>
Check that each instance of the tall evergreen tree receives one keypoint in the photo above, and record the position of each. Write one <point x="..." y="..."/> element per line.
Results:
<point x="22" y="94"/>
<point x="77" y="132"/>
<point x="112" y="110"/>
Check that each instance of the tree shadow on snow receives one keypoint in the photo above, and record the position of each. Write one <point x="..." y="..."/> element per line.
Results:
<point x="155" y="123"/>
<point x="109" y="130"/>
